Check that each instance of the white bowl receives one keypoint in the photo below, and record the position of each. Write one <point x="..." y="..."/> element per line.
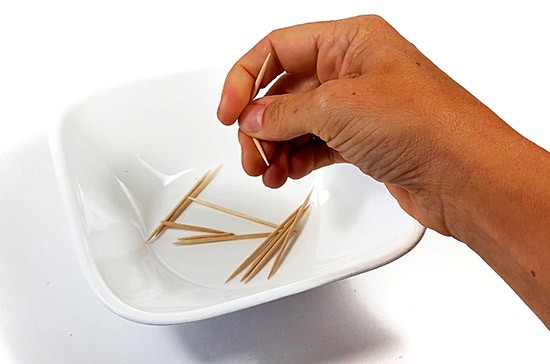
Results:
<point x="123" y="159"/>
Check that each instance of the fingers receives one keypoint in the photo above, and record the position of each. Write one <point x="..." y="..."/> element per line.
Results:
<point x="277" y="173"/>
<point x="294" y="50"/>
<point x="292" y="83"/>
<point x="309" y="98"/>
<point x="311" y="156"/>
<point x="282" y="117"/>
<point x="251" y="159"/>
<point x="295" y="158"/>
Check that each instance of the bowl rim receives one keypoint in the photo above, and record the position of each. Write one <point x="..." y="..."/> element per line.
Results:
<point x="109" y="299"/>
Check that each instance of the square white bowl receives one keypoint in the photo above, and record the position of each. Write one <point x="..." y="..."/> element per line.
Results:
<point x="124" y="157"/>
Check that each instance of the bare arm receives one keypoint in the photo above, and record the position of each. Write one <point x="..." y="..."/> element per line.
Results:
<point x="373" y="100"/>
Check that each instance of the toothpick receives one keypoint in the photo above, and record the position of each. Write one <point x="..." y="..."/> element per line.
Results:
<point x="277" y="244"/>
<point x="257" y="85"/>
<point x="184" y="202"/>
<point x="157" y="231"/>
<point x="205" y="236"/>
<point x="176" y="225"/>
<point x="269" y="253"/>
<point x="260" y="250"/>
<point x="195" y="193"/>
<point x="260" y="77"/>
<point x="258" y="145"/>
<point x="285" y="243"/>
<point x="233" y="212"/>
<point x="220" y="238"/>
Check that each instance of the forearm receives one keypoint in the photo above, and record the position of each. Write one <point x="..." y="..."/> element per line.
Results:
<point x="373" y="100"/>
<point x="505" y="207"/>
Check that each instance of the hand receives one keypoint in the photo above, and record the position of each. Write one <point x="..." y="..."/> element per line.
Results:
<point x="356" y="91"/>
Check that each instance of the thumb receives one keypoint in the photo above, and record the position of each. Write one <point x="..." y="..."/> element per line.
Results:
<point x="280" y="117"/>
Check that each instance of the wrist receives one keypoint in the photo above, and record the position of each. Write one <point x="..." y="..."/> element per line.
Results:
<point x="504" y="217"/>
<point x="504" y="191"/>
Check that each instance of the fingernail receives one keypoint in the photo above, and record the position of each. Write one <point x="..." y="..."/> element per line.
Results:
<point x="251" y="119"/>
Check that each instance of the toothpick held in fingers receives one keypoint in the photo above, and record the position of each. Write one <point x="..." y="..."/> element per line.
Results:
<point x="257" y="86"/>
<point x="260" y="77"/>
<point x="258" y="145"/>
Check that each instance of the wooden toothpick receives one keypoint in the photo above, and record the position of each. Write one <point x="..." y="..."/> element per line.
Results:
<point x="158" y="231"/>
<point x="219" y="238"/>
<point x="205" y="236"/>
<point x="277" y="245"/>
<point x="257" y="85"/>
<point x="176" y="225"/>
<point x="260" y="250"/>
<point x="285" y="243"/>
<point x="233" y="212"/>
<point x="184" y="202"/>
<point x="261" y="261"/>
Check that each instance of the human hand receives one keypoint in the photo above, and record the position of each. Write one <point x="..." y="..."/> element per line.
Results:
<point x="356" y="91"/>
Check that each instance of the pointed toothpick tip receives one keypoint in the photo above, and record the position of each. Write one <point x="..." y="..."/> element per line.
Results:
<point x="152" y="236"/>
<point x="257" y="85"/>
<point x="258" y="145"/>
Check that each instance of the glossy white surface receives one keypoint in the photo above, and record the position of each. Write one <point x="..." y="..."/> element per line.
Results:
<point x="438" y="304"/>
<point x="125" y="156"/>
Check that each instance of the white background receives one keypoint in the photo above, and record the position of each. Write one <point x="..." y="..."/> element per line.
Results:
<point x="440" y="303"/>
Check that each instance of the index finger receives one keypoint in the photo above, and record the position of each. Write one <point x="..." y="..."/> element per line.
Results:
<point x="294" y="50"/>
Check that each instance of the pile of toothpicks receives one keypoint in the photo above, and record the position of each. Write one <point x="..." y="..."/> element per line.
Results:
<point x="275" y="245"/>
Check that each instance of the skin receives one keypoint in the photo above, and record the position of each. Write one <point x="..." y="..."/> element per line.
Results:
<point x="355" y="91"/>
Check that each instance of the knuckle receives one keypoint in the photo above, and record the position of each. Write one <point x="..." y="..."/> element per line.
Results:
<point x="327" y="105"/>
<point x="376" y="19"/>
<point x="273" y="35"/>
<point x="370" y="20"/>
<point x="323" y="99"/>
<point x="274" y="115"/>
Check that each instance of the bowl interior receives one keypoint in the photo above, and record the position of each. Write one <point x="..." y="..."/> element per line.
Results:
<point x="129" y="154"/>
